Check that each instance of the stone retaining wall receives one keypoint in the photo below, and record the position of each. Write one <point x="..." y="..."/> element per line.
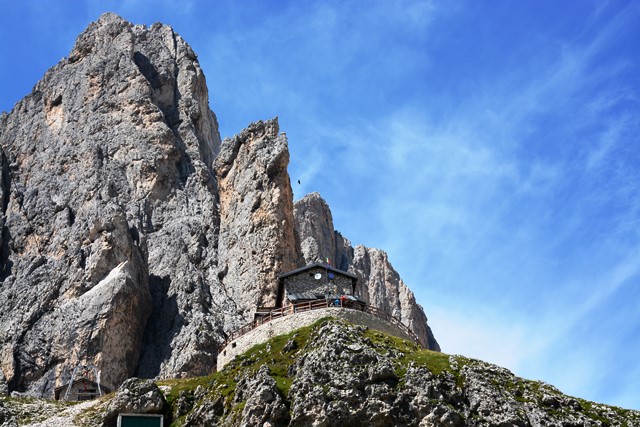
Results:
<point x="291" y="322"/>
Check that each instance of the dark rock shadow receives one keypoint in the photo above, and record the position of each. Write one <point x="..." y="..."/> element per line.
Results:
<point x="165" y="322"/>
<point x="5" y="237"/>
<point x="6" y="265"/>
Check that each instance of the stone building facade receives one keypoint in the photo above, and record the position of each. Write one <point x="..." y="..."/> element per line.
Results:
<point x="315" y="281"/>
<point x="318" y="285"/>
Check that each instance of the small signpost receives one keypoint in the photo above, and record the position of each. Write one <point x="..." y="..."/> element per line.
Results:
<point x="140" y="420"/>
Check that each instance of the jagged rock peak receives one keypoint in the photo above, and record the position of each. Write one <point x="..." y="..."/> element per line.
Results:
<point x="166" y="61"/>
<point x="111" y="28"/>
<point x="267" y="132"/>
<point x="107" y="255"/>
<point x="99" y="34"/>
<point x="314" y="226"/>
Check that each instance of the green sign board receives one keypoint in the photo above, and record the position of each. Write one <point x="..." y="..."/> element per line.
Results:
<point x="140" y="420"/>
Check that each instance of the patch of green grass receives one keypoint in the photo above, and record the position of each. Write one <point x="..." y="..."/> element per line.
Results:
<point x="517" y="389"/>
<point x="273" y="354"/>
<point x="591" y="410"/>
<point x="435" y="362"/>
<point x="520" y="398"/>
<point x="236" y="412"/>
<point x="183" y="384"/>
<point x="283" y="384"/>
<point x="411" y="353"/>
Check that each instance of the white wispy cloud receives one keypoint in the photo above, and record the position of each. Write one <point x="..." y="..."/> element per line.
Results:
<point x="506" y="192"/>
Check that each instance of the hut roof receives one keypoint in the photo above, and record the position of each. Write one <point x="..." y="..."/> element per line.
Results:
<point x="315" y="265"/>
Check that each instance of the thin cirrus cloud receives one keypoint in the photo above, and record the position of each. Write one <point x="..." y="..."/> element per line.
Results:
<point x="312" y="62"/>
<point x="532" y="177"/>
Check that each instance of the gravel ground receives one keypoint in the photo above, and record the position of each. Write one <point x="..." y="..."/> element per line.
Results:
<point x="64" y="418"/>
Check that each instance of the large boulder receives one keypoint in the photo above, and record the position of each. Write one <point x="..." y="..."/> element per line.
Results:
<point x="135" y="396"/>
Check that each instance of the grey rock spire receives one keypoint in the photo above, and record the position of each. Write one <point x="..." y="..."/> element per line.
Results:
<point x="379" y="283"/>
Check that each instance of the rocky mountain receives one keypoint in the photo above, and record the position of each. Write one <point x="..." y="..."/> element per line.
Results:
<point x="109" y="214"/>
<point x="335" y="374"/>
<point x="133" y="238"/>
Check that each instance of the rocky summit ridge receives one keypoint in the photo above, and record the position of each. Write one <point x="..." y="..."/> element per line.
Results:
<point x="333" y="373"/>
<point x="134" y="238"/>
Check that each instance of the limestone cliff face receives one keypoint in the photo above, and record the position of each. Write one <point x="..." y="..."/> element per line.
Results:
<point x="132" y="237"/>
<point x="256" y="223"/>
<point x="378" y="282"/>
<point x="108" y="213"/>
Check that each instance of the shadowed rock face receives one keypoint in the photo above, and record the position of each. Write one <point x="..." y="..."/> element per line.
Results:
<point x="378" y="281"/>
<point x="132" y="237"/>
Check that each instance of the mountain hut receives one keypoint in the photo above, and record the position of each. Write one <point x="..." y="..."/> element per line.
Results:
<point x="316" y="285"/>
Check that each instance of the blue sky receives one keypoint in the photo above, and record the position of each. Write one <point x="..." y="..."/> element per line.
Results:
<point x="492" y="148"/>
